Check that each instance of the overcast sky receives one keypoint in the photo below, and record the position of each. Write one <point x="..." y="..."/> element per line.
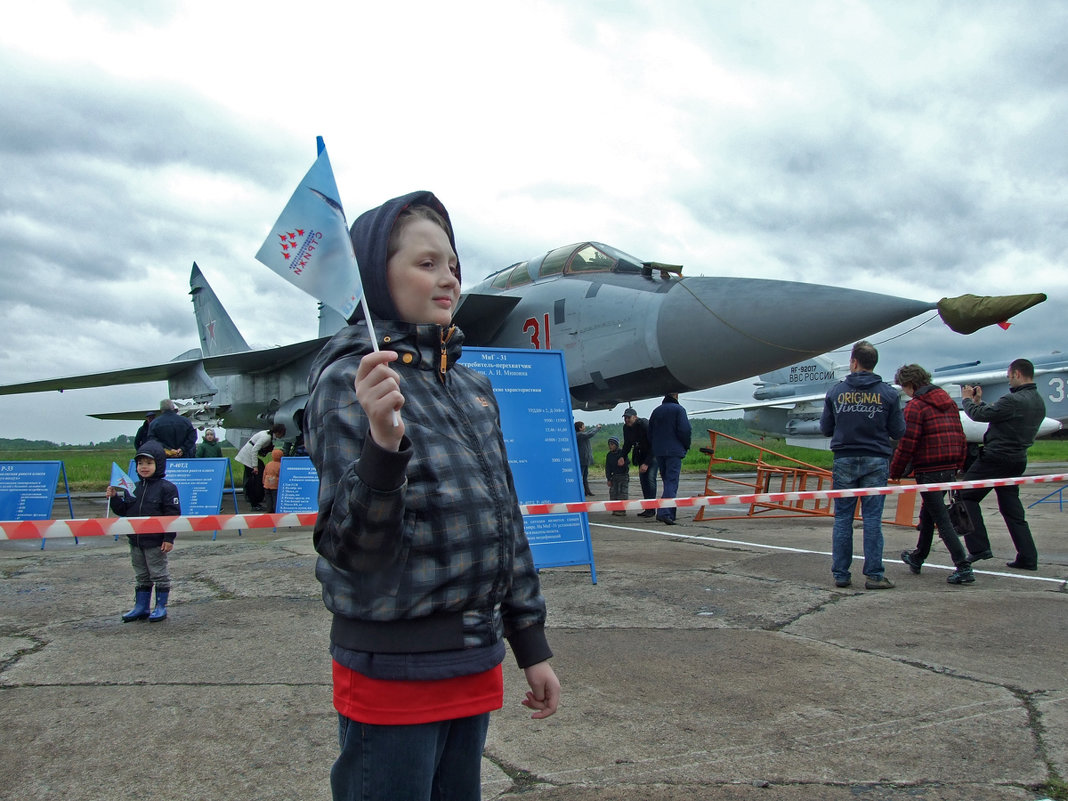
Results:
<point x="911" y="148"/>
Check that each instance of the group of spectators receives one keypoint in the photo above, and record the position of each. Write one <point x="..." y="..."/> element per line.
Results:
<point x="178" y="438"/>
<point x="875" y="442"/>
<point x="655" y="446"/>
<point x="863" y="417"/>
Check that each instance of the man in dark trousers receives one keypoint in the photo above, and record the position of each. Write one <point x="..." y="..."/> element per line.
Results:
<point x="174" y="432"/>
<point x="669" y="434"/>
<point x="862" y="416"/>
<point x="1014" y="420"/>
<point x="636" y="446"/>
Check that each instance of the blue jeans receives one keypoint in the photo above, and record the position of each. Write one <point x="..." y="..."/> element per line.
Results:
<point x="439" y="761"/>
<point x="670" y="473"/>
<point x="854" y="472"/>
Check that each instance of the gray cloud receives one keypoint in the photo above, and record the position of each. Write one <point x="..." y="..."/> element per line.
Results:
<point x="907" y="148"/>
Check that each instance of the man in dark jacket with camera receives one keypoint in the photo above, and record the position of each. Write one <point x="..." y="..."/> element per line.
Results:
<point x="1014" y="420"/>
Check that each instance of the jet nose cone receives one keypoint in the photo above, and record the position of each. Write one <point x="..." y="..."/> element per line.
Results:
<point x="747" y="326"/>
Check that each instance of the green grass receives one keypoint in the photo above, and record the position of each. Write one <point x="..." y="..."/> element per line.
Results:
<point x="89" y="469"/>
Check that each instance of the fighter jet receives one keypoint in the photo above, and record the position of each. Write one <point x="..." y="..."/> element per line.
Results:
<point x="787" y="403"/>
<point x="629" y="329"/>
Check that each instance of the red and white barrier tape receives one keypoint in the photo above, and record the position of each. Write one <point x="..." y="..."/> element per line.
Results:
<point x="105" y="526"/>
<point x="777" y="497"/>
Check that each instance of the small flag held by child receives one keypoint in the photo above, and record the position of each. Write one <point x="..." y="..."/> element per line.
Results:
<point x="120" y="479"/>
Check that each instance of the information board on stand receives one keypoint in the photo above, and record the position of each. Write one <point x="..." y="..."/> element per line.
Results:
<point x="298" y="486"/>
<point x="28" y="489"/>
<point x="532" y="391"/>
<point x="200" y="483"/>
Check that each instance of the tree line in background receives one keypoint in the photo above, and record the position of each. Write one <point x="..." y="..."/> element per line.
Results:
<point x="118" y="443"/>
<point x="732" y="426"/>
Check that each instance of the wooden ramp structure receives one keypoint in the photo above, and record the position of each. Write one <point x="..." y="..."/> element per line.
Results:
<point x="776" y="472"/>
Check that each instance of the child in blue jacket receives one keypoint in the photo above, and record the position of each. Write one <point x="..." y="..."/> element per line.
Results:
<point x="153" y="496"/>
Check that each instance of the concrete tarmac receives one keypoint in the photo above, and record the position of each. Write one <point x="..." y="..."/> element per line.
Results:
<point x="712" y="660"/>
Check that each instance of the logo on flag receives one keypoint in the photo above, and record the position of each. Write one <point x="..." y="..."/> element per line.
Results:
<point x="309" y="245"/>
<point x="120" y="479"/>
<point x="298" y="249"/>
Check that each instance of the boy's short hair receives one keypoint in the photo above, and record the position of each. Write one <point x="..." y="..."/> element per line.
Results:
<point x="912" y="375"/>
<point x="865" y="354"/>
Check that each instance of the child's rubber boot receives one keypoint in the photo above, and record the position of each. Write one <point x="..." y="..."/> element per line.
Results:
<point x="142" y="598"/>
<point x="160" y="612"/>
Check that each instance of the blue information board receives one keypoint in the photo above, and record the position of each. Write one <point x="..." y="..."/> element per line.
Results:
<point x="28" y="489"/>
<point x="298" y="486"/>
<point x="199" y="482"/>
<point x="532" y="392"/>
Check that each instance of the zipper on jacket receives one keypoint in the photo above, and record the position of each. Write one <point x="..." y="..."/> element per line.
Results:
<point x="446" y="335"/>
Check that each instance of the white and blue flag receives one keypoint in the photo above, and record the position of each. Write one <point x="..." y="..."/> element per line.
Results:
<point x="120" y="479"/>
<point x="309" y="246"/>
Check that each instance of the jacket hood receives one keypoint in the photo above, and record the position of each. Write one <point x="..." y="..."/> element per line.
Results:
<point x="862" y="379"/>
<point x="936" y="397"/>
<point x="277" y="454"/>
<point x="370" y="241"/>
<point x="155" y="450"/>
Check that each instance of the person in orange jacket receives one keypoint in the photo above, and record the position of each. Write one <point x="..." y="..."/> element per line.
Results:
<point x="270" y="478"/>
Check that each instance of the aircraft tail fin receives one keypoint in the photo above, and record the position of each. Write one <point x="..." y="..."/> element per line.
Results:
<point x="330" y="320"/>
<point x="218" y="334"/>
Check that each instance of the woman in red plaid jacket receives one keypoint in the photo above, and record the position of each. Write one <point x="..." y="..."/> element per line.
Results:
<point x="933" y="449"/>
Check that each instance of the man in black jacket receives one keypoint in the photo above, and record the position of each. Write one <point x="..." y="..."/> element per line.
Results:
<point x="1014" y="420"/>
<point x="173" y="431"/>
<point x="636" y="445"/>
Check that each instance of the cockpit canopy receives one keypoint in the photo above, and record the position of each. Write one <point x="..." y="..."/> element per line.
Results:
<point x="585" y="257"/>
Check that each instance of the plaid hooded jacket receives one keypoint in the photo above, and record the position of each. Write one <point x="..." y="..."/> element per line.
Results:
<point x="421" y="551"/>
<point x="933" y="439"/>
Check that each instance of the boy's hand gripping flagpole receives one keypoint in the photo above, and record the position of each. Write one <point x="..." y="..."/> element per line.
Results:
<point x="309" y="245"/>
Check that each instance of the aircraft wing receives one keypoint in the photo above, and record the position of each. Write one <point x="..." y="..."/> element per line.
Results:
<point x="788" y="400"/>
<point x="263" y="360"/>
<point x="133" y="375"/>
<point x="249" y="361"/>
<point x="136" y="414"/>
